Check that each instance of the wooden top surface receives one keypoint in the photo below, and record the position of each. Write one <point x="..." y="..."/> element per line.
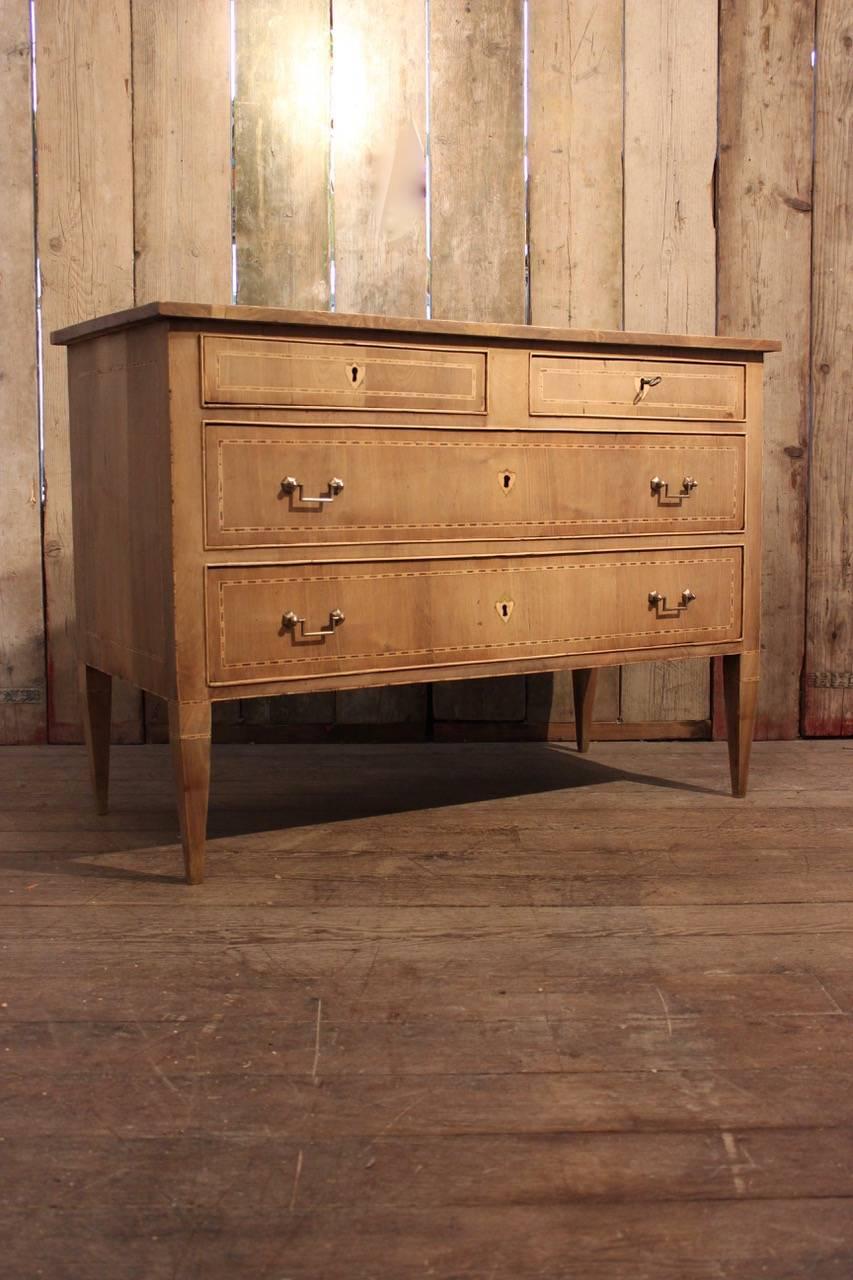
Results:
<point x="204" y="312"/>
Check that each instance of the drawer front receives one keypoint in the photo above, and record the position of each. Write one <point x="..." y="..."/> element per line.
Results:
<point x="401" y="485"/>
<point x="599" y="387"/>
<point x="330" y="375"/>
<point x="283" y="622"/>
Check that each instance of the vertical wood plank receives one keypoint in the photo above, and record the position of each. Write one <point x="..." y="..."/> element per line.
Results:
<point x="282" y="119"/>
<point x="281" y="153"/>
<point x="764" y="236"/>
<point x="670" y="241"/>
<point x="85" y="241"/>
<point x="828" y="701"/>
<point x="182" y="172"/>
<point x="477" y="152"/>
<point x="22" y="684"/>
<point x="574" y="149"/>
<point x="478" y="218"/>
<point x="379" y="112"/>
<point x="378" y="101"/>
<point x="182" y="150"/>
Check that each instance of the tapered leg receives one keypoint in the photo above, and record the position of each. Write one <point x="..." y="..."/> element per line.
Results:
<point x="740" y="688"/>
<point x="583" y="687"/>
<point x="189" y="736"/>
<point x="96" y="689"/>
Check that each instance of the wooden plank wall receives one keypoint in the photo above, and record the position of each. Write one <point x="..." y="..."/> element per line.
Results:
<point x="664" y="181"/>
<point x="22" y="682"/>
<point x="182" y="150"/>
<point x="379" y="215"/>
<point x="478" y="222"/>
<point x="670" y="243"/>
<point x="182" y="143"/>
<point x="764" y="223"/>
<point x="281" y="153"/>
<point x="85" y="244"/>
<point x="575" y="193"/>
<point x="282" y="116"/>
<point x="828" y="691"/>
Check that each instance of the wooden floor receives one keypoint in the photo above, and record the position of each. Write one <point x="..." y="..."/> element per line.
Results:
<point x="480" y="1013"/>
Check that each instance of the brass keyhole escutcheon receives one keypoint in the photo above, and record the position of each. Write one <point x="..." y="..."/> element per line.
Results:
<point x="356" y="375"/>
<point x="507" y="480"/>
<point x="504" y="609"/>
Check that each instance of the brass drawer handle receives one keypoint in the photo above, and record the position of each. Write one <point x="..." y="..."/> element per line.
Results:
<point x="664" y="610"/>
<point x="643" y="387"/>
<point x="290" y="484"/>
<point x="290" y="621"/>
<point x="661" y="488"/>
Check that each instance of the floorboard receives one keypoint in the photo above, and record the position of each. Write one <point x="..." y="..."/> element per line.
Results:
<point x="483" y="1012"/>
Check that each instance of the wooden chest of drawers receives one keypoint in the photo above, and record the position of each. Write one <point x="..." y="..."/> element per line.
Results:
<point x="271" y="502"/>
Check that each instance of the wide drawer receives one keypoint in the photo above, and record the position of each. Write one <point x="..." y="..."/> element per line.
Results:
<point x="613" y="387"/>
<point x="271" y="622"/>
<point x="330" y="375"/>
<point x="401" y="485"/>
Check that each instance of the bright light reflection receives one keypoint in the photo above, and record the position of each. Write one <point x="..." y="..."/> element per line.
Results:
<point x="351" y="96"/>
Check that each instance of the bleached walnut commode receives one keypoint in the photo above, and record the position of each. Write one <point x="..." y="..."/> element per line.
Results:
<point x="272" y="502"/>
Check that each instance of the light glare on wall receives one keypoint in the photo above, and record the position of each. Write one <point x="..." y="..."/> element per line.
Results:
<point x="351" y="93"/>
<point x="302" y="74"/>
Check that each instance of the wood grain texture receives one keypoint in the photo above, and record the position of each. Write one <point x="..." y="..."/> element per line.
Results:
<point x="764" y="279"/>
<point x="276" y="373"/>
<point x="740" y="685"/>
<point x="494" y="700"/>
<point x="828" y="693"/>
<point x="282" y="115"/>
<point x="182" y="150"/>
<point x="425" y="599"/>
<point x="776" y="1239"/>
<point x="397" y="485"/>
<point x="379" y="109"/>
<point x="22" y="685"/>
<point x="189" y="738"/>
<point x="95" y="701"/>
<point x="483" y="963"/>
<point x="379" y="211"/>
<point x="574" y="149"/>
<point x="229" y="315"/>
<point x="669" y="238"/>
<point x="410" y="1171"/>
<point x="121" y="456"/>
<point x="551" y="706"/>
<point x="182" y="166"/>
<point x="584" y="687"/>
<point x="387" y="619"/>
<point x="85" y="239"/>
<point x="476" y="148"/>
<point x="282" y="119"/>
<point x="478" y="214"/>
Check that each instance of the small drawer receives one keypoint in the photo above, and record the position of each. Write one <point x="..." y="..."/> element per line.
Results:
<point x="612" y="387"/>
<point x="272" y="622"/>
<point x="333" y="375"/>
<point x="286" y="486"/>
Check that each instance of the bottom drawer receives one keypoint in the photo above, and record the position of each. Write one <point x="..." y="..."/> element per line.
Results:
<point x="270" y="622"/>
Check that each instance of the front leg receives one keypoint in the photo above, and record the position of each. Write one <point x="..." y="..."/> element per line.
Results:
<point x="584" y="681"/>
<point x="189" y="736"/>
<point x="96" y="697"/>
<point x="740" y="689"/>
